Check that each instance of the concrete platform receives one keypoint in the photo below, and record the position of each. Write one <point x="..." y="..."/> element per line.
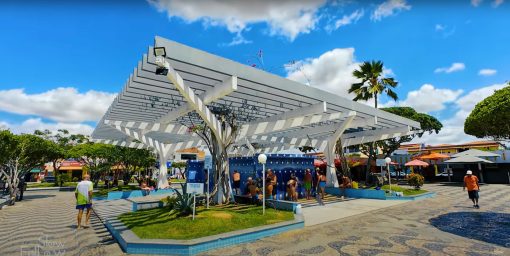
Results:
<point x="338" y="210"/>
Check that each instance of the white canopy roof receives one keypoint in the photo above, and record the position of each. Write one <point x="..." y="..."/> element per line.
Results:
<point x="273" y="112"/>
<point x="467" y="159"/>
<point x="476" y="152"/>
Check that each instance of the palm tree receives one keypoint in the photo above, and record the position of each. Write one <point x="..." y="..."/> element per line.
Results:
<point x="372" y="84"/>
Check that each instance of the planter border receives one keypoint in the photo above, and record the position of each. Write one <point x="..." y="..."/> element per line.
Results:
<point x="131" y="243"/>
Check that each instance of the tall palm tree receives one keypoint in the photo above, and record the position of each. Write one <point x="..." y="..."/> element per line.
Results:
<point x="372" y="82"/>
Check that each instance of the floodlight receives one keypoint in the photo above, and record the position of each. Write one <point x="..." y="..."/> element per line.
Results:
<point x="162" y="68"/>
<point x="159" y="51"/>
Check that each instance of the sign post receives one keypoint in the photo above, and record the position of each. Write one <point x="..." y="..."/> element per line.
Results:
<point x="208" y="167"/>
<point x="194" y="188"/>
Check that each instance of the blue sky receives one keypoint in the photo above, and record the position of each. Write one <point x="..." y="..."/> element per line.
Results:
<point x="63" y="62"/>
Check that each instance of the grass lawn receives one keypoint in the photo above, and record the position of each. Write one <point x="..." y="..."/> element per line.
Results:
<point x="104" y="191"/>
<point x="407" y="191"/>
<point x="50" y="184"/>
<point x="178" y="180"/>
<point x="158" y="224"/>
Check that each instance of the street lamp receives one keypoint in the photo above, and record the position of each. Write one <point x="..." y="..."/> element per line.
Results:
<point x="388" y="161"/>
<point x="262" y="160"/>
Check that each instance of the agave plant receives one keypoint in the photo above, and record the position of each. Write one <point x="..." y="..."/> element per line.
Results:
<point x="183" y="204"/>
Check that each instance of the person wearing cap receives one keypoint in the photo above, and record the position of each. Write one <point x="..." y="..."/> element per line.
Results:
<point x="471" y="182"/>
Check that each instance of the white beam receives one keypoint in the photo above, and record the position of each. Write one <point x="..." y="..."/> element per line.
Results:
<point x="217" y="92"/>
<point x="256" y="128"/>
<point x="196" y="103"/>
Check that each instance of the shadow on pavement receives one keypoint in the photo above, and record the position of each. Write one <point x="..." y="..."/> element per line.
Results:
<point x="32" y="197"/>
<point x="489" y="227"/>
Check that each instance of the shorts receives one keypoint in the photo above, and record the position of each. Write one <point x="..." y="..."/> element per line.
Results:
<point x="308" y="185"/>
<point x="237" y="183"/>
<point x="322" y="184"/>
<point x="83" y="206"/>
<point x="473" y="194"/>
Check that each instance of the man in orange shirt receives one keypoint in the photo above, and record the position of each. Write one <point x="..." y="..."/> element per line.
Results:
<point x="471" y="182"/>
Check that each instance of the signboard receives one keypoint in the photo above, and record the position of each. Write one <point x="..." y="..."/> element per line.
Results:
<point x="208" y="162"/>
<point x="169" y="164"/>
<point x="380" y="162"/>
<point x="194" y="188"/>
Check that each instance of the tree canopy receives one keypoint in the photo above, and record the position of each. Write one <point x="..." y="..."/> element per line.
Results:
<point x="427" y="122"/>
<point x="491" y="117"/>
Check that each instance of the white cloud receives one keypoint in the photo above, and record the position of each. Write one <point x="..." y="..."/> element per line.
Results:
<point x="63" y="104"/>
<point x="453" y="130"/>
<point x="440" y="27"/>
<point x="32" y="124"/>
<point x="497" y="3"/>
<point x="285" y="17"/>
<point x="389" y="8"/>
<point x="476" y="3"/>
<point x="457" y="66"/>
<point x="487" y="72"/>
<point x="428" y="99"/>
<point x="332" y="71"/>
<point x="346" y="20"/>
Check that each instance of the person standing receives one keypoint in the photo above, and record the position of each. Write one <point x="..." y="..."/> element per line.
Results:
<point x="322" y="186"/>
<point x="272" y="176"/>
<point x="236" y="177"/>
<point x="471" y="182"/>
<point x="83" y="194"/>
<point x="308" y="183"/>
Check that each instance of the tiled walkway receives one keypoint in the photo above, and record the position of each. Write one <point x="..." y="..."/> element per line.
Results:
<point x="45" y="221"/>
<point x="398" y="230"/>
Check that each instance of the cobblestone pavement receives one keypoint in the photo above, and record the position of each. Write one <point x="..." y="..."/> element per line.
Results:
<point x="46" y="222"/>
<point x="399" y="230"/>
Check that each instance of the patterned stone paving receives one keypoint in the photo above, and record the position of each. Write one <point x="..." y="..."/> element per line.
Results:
<point x="46" y="222"/>
<point x="399" y="230"/>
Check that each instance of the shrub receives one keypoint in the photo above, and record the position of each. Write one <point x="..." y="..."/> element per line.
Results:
<point x="75" y="179"/>
<point x="415" y="180"/>
<point x="62" y="178"/>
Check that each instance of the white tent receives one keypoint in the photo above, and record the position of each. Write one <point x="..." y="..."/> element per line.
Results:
<point x="475" y="152"/>
<point x="467" y="159"/>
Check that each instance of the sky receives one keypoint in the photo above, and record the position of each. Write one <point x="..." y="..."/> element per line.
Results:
<point x="63" y="62"/>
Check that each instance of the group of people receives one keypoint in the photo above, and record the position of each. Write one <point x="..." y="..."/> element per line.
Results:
<point x="253" y="188"/>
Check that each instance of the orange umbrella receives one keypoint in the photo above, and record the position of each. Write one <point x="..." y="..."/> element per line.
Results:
<point x="417" y="162"/>
<point x="434" y="156"/>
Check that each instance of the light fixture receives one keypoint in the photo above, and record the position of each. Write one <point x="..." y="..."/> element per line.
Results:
<point x="387" y="160"/>
<point x="262" y="158"/>
<point x="159" y="51"/>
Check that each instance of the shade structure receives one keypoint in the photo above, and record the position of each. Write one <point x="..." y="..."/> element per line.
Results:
<point x="475" y="152"/>
<point x="160" y="111"/>
<point x="467" y="159"/>
<point x="417" y="162"/>
<point x="434" y="156"/>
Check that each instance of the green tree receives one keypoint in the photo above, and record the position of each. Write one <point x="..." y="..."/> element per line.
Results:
<point x="58" y="146"/>
<point x="19" y="155"/>
<point x="428" y="123"/>
<point x="490" y="117"/>
<point x="372" y="84"/>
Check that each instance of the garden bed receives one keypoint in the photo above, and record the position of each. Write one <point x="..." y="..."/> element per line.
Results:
<point x="50" y="184"/>
<point x="159" y="224"/>
<point x="406" y="191"/>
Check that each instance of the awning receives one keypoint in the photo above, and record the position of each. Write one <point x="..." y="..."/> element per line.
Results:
<point x="467" y="159"/>
<point x="476" y="152"/>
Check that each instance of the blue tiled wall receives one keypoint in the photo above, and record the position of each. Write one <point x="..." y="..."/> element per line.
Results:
<point x="136" y="193"/>
<point x="359" y="193"/>
<point x="283" y="165"/>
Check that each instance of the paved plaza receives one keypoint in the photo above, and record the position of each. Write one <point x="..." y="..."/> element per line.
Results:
<point x="45" y="223"/>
